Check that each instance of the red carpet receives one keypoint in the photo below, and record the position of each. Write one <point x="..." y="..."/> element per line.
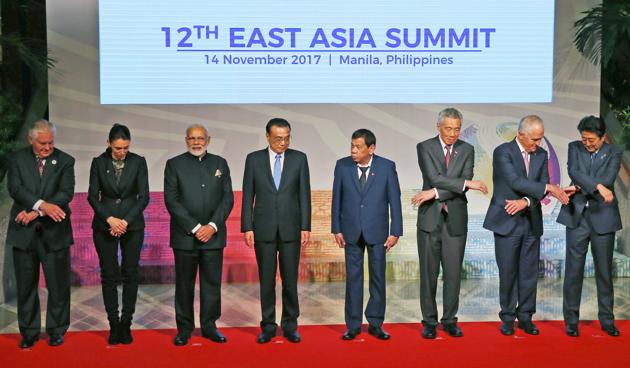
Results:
<point x="482" y="346"/>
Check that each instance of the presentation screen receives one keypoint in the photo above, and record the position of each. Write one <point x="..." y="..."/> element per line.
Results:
<point x="325" y="51"/>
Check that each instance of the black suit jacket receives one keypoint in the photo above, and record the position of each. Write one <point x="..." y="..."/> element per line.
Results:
<point x="26" y="188"/>
<point x="512" y="182"/>
<point x="197" y="192"/>
<point x="603" y="170"/>
<point x="125" y="200"/>
<point x="449" y="183"/>
<point x="268" y="211"/>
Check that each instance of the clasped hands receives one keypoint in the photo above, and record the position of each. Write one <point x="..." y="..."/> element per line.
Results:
<point x="117" y="227"/>
<point x="47" y="209"/>
<point x="429" y="194"/>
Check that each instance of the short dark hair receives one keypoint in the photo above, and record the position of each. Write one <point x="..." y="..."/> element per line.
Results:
<point x="277" y="122"/>
<point x="367" y="135"/>
<point x="119" y="131"/>
<point x="592" y="124"/>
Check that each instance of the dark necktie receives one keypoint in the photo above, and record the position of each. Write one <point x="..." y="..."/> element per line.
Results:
<point x="40" y="166"/>
<point x="590" y="166"/>
<point x="447" y="160"/>
<point x="363" y="178"/>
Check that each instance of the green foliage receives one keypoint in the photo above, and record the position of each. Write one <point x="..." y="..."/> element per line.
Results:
<point x="624" y="118"/>
<point x="11" y="120"/>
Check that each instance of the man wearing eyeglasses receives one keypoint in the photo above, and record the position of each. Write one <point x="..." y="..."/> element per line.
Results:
<point x="198" y="196"/>
<point x="276" y="221"/>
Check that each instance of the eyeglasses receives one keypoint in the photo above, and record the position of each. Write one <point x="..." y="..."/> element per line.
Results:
<point x="281" y="139"/>
<point x="196" y="139"/>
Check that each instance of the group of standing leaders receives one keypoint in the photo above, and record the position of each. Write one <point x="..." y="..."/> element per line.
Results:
<point x="276" y="222"/>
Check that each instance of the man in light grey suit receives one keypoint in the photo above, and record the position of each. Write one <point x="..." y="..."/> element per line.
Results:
<point x="592" y="216"/>
<point x="447" y="171"/>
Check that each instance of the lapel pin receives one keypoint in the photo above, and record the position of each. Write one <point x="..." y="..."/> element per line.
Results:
<point x="218" y="173"/>
<point x="107" y="171"/>
<point x="372" y="173"/>
<point x="54" y="162"/>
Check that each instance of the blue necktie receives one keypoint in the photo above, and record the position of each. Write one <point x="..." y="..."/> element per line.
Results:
<point x="277" y="171"/>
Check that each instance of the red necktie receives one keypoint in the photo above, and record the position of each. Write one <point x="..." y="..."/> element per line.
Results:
<point x="447" y="160"/>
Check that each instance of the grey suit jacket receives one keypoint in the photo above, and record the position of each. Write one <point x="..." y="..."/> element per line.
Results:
<point x="268" y="211"/>
<point x="603" y="170"/>
<point x="449" y="183"/>
<point x="26" y="188"/>
<point x="197" y="192"/>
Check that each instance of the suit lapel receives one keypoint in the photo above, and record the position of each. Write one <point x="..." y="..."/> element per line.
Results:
<point x="371" y="176"/>
<point x="600" y="158"/>
<point x="124" y="176"/>
<point x="288" y="165"/>
<point x="268" y="173"/>
<point x="454" y="155"/>
<point x="354" y="176"/>
<point x="438" y="153"/>
<point x="535" y="163"/>
<point x="517" y="156"/>
<point x="110" y="173"/>
<point x="49" y="169"/>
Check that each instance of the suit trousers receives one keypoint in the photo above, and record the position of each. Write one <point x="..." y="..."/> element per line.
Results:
<point x="210" y="265"/>
<point x="435" y="248"/>
<point x="112" y="273"/>
<point x="375" y="310"/>
<point x="268" y="255"/>
<point x="517" y="257"/>
<point x="602" y="246"/>
<point x="56" y="266"/>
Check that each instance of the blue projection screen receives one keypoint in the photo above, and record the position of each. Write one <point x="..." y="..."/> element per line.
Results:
<point x="325" y="51"/>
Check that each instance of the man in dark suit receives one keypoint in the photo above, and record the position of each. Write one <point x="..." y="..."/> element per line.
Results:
<point x="592" y="216"/>
<point x="41" y="183"/>
<point x="365" y="192"/>
<point x="198" y="195"/>
<point x="276" y="221"/>
<point x="447" y="171"/>
<point x="521" y="180"/>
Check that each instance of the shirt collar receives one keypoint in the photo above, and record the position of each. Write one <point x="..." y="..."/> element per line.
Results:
<point x="444" y="144"/>
<point x="273" y="154"/>
<point x="520" y="147"/>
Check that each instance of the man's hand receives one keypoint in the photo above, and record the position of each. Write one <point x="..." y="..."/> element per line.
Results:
<point x="305" y="238"/>
<point x="558" y="193"/>
<point x="53" y="211"/>
<point x="339" y="240"/>
<point x="570" y="190"/>
<point x="390" y="242"/>
<point x="514" y="206"/>
<point x="25" y="218"/>
<point x="606" y="193"/>
<point x="477" y="185"/>
<point x="117" y="226"/>
<point x="249" y="238"/>
<point x="205" y="233"/>
<point x="423" y="196"/>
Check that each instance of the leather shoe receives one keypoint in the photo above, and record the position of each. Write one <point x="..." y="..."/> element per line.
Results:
<point x="293" y="336"/>
<point x="55" y="340"/>
<point x="528" y="327"/>
<point x="378" y="332"/>
<point x="572" y="330"/>
<point x="181" y="340"/>
<point x="507" y="329"/>
<point x="453" y="330"/>
<point x="214" y="335"/>
<point x="429" y="332"/>
<point x="28" y="342"/>
<point x="611" y="330"/>
<point x="350" y="334"/>
<point x="265" y="337"/>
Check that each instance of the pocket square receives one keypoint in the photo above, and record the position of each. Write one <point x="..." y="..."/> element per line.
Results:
<point x="218" y="173"/>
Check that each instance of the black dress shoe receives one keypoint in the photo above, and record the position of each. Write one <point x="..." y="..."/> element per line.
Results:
<point x="114" y="332"/>
<point x="214" y="335"/>
<point x="507" y="329"/>
<point x="453" y="330"/>
<point x="181" y="340"/>
<point x="293" y="336"/>
<point x="378" y="332"/>
<point x="528" y="327"/>
<point x="350" y="334"/>
<point x="572" y="330"/>
<point x="611" y="330"/>
<point x="265" y="337"/>
<point x="124" y="332"/>
<point x="28" y="342"/>
<point x="429" y="332"/>
<point x="55" y="340"/>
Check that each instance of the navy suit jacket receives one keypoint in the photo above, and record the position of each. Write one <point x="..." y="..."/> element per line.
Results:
<point x="511" y="182"/>
<point x="604" y="170"/>
<point x="367" y="211"/>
